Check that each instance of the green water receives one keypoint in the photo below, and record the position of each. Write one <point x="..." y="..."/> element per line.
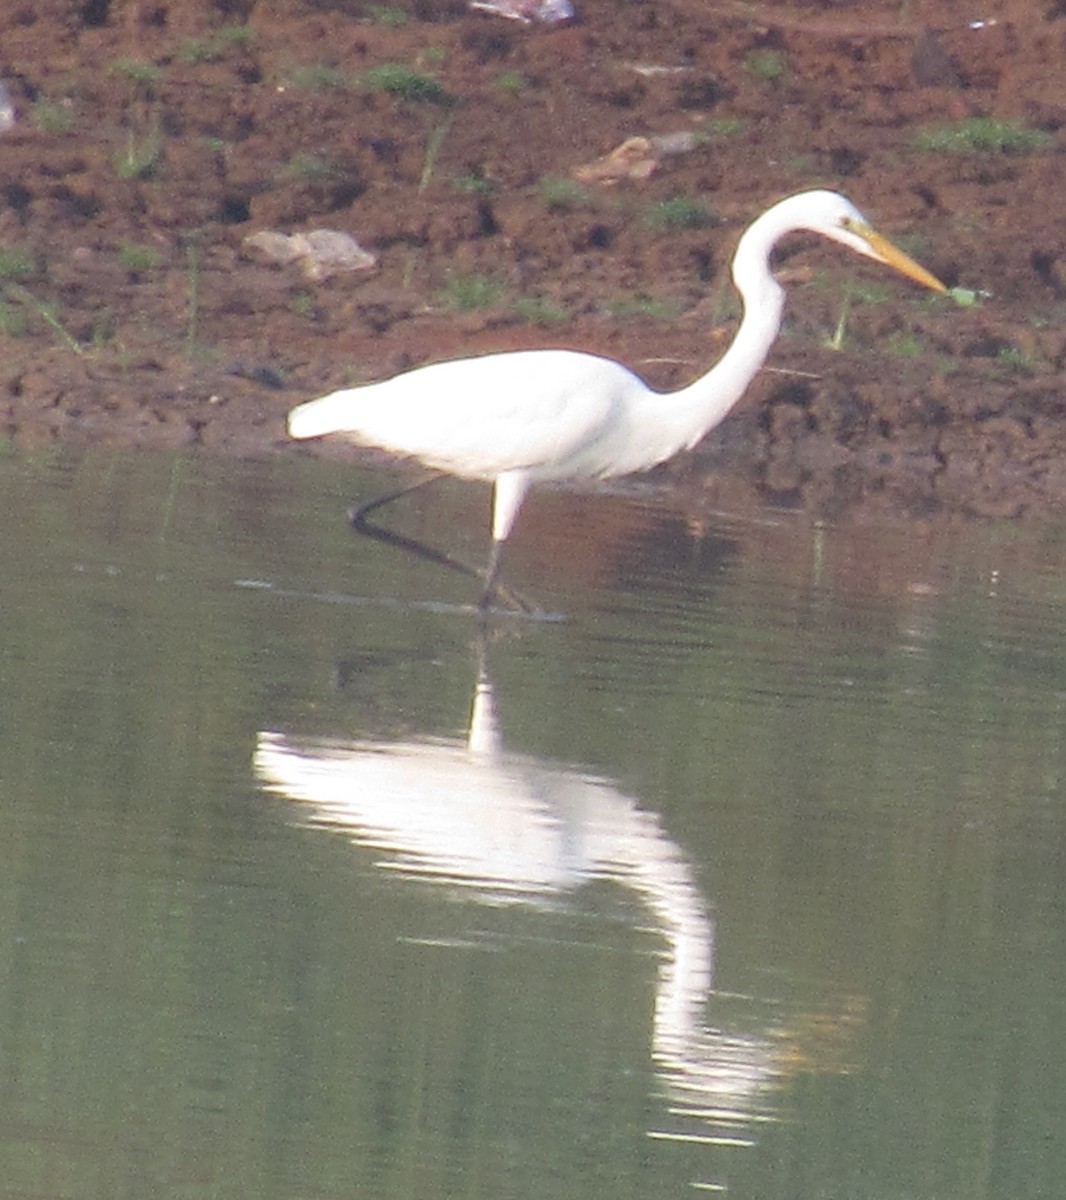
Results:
<point x="747" y="877"/>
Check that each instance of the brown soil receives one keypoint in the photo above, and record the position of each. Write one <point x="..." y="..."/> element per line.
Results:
<point x="153" y="136"/>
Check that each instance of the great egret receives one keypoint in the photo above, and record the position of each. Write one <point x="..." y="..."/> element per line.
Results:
<point x="522" y="416"/>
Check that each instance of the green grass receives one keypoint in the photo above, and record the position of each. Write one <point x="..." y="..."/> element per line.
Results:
<point x="138" y="70"/>
<point x="679" y="212"/>
<point x="308" y="168"/>
<point x="474" y="182"/>
<point x="768" y="66"/>
<point x="869" y="292"/>
<point x="52" y="116"/>
<point x="47" y="310"/>
<point x="538" y="310"/>
<point x="1015" y="358"/>
<point x="722" y="127"/>
<point x="141" y="157"/>
<point x="654" y="308"/>
<point x="386" y="14"/>
<point x="836" y="340"/>
<point x="429" y="159"/>
<point x="406" y="83"/>
<point x="513" y="82"/>
<point x="102" y="330"/>
<point x="318" y="77"/>
<point x="907" y="345"/>
<point x="865" y="294"/>
<point x="216" y="46"/>
<point x="465" y="293"/>
<point x="983" y="135"/>
<point x="560" y="194"/>
<point x="304" y="305"/>
<point x="16" y="262"/>
<point x="13" y="320"/>
<point x="139" y="258"/>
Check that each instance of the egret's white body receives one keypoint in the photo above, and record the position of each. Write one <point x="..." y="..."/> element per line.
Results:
<point x="524" y="416"/>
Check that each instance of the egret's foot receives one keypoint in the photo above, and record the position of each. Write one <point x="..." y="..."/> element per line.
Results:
<point x="496" y="591"/>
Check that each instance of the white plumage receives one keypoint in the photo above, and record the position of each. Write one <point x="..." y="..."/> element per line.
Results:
<point x="523" y="416"/>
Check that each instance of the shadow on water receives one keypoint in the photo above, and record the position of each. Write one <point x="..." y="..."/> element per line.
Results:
<point x="498" y="827"/>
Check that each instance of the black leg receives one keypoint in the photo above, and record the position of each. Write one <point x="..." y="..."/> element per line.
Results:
<point x="356" y="515"/>
<point x="492" y="589"/>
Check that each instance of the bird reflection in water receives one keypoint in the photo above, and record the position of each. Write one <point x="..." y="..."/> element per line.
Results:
<point x="496" y="825"/>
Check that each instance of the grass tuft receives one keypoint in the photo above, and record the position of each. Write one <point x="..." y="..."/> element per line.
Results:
<point x="308" y="168"/>
<point x="140" y="71"/>
<point x="52" y="116"/>
<point x="141" y="157"/>
<point x="139" y="258"/>
<point x="465" y="293"/>
<point x="16" y="262"/>
<point x="983" y="135"/>
<point x="768" y="66"/>
<point x="644" y="307"/>
<point x="679" y="212"/>
<point x="388" y="15"/>
<point x="215" y="46"/>
<point x="538" y="310"/>
<point x="561" y="194"/>
<point x="46" y="310"/>
<point x="407" y="83"/>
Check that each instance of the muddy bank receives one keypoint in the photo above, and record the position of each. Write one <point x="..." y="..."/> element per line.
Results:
<point x="153" y="138"/>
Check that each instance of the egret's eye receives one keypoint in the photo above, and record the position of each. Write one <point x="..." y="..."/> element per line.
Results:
<point x="857" y="228"/>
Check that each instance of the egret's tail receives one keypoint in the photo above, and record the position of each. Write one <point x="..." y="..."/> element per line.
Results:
<point x="318" y="417"/>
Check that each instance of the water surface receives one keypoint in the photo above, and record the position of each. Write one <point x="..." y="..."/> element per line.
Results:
<point x="745" y="877"/>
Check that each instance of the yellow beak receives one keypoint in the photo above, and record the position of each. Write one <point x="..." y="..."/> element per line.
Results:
<point x="883" y="249"/>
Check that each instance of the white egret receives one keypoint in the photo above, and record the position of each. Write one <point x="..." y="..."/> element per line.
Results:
<point x="522" y="416"/>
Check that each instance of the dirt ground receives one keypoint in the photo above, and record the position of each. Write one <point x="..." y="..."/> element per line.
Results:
<point x="151" y="138"/>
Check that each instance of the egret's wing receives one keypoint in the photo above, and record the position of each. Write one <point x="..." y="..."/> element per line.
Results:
<point x="480" y="417"/>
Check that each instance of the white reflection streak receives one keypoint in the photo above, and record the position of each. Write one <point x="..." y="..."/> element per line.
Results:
<point x="512" y="827"/>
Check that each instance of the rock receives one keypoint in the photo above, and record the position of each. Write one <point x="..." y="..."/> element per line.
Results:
<point x="322" y="252"/>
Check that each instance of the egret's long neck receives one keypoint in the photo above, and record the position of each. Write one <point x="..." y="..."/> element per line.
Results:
<point x="685" y="415"/>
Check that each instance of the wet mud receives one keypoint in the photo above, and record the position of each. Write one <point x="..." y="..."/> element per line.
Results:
<point x="465" y="152"/>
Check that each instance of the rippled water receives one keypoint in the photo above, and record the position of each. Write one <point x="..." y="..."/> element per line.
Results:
<point x="745" y="877"/>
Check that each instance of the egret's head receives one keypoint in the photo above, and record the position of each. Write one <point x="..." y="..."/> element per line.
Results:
<point x="837" y="218"/>
<point x="833" y="216"/>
